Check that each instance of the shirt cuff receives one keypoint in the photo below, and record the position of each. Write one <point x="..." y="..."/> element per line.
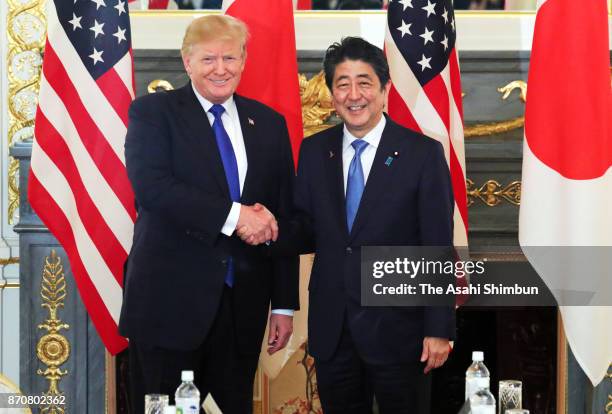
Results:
<point x="232" y="220"/>
<point x="287" y="312"/>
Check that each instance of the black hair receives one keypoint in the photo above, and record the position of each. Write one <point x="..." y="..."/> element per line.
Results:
<point x="355" y="48"/>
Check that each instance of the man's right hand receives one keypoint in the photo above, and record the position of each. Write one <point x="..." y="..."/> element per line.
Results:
<point x="256" y="224"/>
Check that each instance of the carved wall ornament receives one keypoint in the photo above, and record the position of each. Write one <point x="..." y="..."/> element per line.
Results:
<point x="493" y="193"/>
<point x="53" y="349"/>
<point x="157" y="84"/>
<point x="26" y="30"/>
<point x="494" y="128"/>
<point x="317" y="105"/>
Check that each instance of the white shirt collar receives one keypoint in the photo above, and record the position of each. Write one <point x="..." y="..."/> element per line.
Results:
<point x="372" y="137"/>
<point x="206" y="104"/>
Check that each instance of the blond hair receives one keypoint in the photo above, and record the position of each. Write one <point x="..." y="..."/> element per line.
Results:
<point x="214" y="27"/>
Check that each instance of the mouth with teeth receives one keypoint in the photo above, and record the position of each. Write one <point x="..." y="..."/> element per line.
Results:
<point x="356" y="108"/>
<point x="219" y="82"/>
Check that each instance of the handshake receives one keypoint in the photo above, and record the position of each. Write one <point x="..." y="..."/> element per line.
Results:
<point x="256" y="225"/>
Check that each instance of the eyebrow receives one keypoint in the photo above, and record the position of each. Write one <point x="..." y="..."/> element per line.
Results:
<point x="361" y="75"/>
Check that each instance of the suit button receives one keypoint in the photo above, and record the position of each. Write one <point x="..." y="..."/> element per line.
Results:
<point x="188" y="232"/>
<point x="224" y="262"/>
<point x="349" y="250"/>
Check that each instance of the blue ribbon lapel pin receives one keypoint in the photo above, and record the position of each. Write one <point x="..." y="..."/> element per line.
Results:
<point x="391" y="158"/>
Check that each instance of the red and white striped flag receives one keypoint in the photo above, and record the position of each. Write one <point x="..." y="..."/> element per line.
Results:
<point x="78" y="184"/>
<point x="565" y="225"/>
<point x="152" y="5"/>
<point x="426" y="91"/>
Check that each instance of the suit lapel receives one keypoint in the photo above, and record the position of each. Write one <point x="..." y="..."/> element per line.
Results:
<point x="247" y="125"/>
<point x="201" y="134"/>
<point x="335" y="174"/>
<point x="380" y="176"/>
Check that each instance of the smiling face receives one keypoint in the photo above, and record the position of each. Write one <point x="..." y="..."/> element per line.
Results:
<point x="358" y="96"/>
<point x="215" y="67"/>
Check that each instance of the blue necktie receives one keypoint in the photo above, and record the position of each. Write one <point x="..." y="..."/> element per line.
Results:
<point x="230" y="165"/>
<point x="354" y="183"/>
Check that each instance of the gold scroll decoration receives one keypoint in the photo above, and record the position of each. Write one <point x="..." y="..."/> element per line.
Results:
<point x="317" y="105"/>
<point x="493" y="193"/>
<point x="53" y="349"/>
<point x="493" y="128"/>
<point x="159" y="84"/>
<point x="26" y="30"/>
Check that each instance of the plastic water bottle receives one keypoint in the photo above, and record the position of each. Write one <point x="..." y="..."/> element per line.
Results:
<point x="477" y="375"/>
<point x="187" y="396"/>
<point x="482" y="402"/>
<point x="170" y="409"/>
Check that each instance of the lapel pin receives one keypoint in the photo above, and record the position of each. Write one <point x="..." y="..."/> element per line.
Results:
<point x="251" y="122"/>
<point x="390" y="158"/>
<point x="331" y="154"/>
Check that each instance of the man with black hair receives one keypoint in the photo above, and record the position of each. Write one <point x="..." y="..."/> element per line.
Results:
<point x="369" y="182"/>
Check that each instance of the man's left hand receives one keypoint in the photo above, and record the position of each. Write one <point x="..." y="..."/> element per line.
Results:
<point x="281" y="328"/>
<point x="435" y="352"/>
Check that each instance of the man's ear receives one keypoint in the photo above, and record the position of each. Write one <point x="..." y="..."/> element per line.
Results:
<point x="186" y="60"/>
<point x="387" y="87"/>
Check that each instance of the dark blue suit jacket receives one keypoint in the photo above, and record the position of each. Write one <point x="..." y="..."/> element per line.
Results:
<point x="406" y="203"/>
<point x="176" y="269"/>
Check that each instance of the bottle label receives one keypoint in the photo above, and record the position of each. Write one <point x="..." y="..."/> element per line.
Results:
<point x="474" y="384"/>
<point x="188" y="405"/>
<point x="483" y="409"/>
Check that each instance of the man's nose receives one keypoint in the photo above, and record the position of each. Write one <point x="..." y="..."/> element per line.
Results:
<point x="354" y="92"/>
<point x="219" y="66"/>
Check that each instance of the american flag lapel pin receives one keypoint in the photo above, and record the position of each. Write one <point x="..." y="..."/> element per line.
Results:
<point x="251" y="122"/>
<point x="331" y="154"/>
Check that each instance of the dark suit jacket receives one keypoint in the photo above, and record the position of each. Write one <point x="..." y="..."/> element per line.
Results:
<point x="176" y="269"/>
<point x="408" y="203"/>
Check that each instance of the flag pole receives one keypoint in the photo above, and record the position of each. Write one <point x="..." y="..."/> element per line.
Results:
<point x="561" y="366"/>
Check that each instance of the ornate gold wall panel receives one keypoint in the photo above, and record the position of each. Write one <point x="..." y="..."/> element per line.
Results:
<point x="493" y="193"/>
<point x="26" y="29"/>
<point x="53" y="349"/>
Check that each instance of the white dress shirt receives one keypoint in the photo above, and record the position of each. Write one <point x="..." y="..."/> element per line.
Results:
<point x="367" y="156"/>
<point x="231" y="123"/>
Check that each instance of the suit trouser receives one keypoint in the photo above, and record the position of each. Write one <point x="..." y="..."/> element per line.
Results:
<point x="347" y="383"/>
<point x="218" y="366"/>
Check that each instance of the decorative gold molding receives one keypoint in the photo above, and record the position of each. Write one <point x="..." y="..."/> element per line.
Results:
<point x="8" y="285"/>
<point x="317" y="104"/>
<point x="493" y="193"/>
<point x="9" y="261"/>
<point x="26" y="29"/>
<point x="3" y="283"/>
<point x="53" y="349"/>
<point x="494" y="128"/>
<point x="156" y="84"/>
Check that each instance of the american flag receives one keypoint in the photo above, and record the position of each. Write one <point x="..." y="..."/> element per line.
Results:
<point x="78" y="184"/>
<point x="426" y="91"/>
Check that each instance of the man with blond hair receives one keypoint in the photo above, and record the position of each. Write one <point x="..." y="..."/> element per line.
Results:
<point x="204" y="161"/>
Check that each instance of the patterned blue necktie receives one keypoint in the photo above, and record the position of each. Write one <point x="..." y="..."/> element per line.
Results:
<point x="355" y="182"/>
<point x="230" y="165"/>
